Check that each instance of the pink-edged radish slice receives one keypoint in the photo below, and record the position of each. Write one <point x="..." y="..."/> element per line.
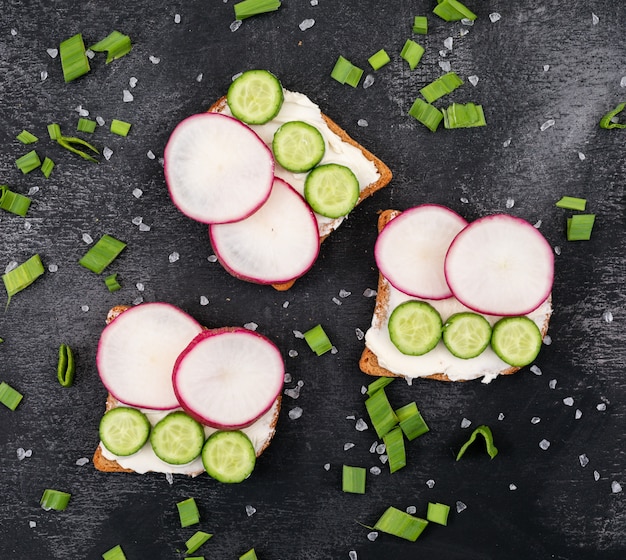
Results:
<point x="278" y="243"/>
<point x="411" y="249"/>
<point x="137" y="352"/>
<point x="227" y="378"/>
<point x="500" y="265"/>
<point x="217" y="168"/>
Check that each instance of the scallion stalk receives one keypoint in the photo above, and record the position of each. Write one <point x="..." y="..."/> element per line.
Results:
<point x="438" y="513"/>
<point x="115" y="44"/>
<point x="22" y="276"/>
<point x="441" y="86"/>
<point x="54" y="499"/>
<point x="353" y="479"/>
<point x="54" y="131"/>
<point x="572" y="203"/>
<point x="66" y="368"/>
<point x="13" y="202"/>
<point x="317" y="340"/>
<point x="380" y="383"/>
<point x="452" y="10"/>
<point x="250" y="555"/>
<point x="120" y="128"/>
<point x="468" y="115"/>
<point x="420" y="25"/>
<point x="411" y="421"/>
<point x="381" y="414"/>
<point x="426" y="114"/>
<point x="396" y="452"/>
<point x="379" y="59"/>
<point x="102" y="254"/>
<point x="86" y="125"/>
<point x="68" y="141"/>
<point x="26" y="137"/>
<point x="28" y="162"/>
<point x="346" y="73"/>
<point x="9" y="397"/>
<point x="608" y="121"/>
<point x="400" y="524"/>
<point x="111" y="282"/>
<point x="74" y="60"/>
<point x="579" y="227"/>
<point x="484" y="431"/>
<point x="116" y="553"/>
<point x="412" y="52"/>
<point x="249" y="8"/>
<point x="47" y="165"/>
<point x="196" y="541"/>
<point x="188" y="512"/>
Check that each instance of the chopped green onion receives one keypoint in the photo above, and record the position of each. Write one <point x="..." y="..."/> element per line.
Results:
<point x="111" y="282"/>
<point x="412" y="52"/>
<point x="579" y="227"/>
<point x="379" y="59"/>
<point x="116" y="553"/>
<point x="378" y="384"/>
<point x="438" y="513"/>
<point x="381" y="414"/>
<point x="317" y="340"/>
<point x="28" y="162"/>
<point x="484" y="431"/>
<point x="426" y="114"/>
<point x="54" y="131"/>
<point x="250" y="555"/>
<point x="13" y="202"/>
<point x="411" y="421"/>
<point x="54" y="499"/>
<point x="115" y="44"/>
<point x="65" y="366"/>
<point x="194" y="558"/>
<point x="188" y="512"/>
<point x="26" y="137"/>
<point x="22" y="276"/>
<point x="400" y="524"/>
<point x="609" y="120"/>
<point x="420" y="25"/>
<point x="120" y="128"/>
<point x="441" y="86"/>
<point x="46" y="167"/>
<point x="86" y="125"/>
<point x="249" y="8"/>
<point x="346" y="73"/>
<point x="353" y="479"/>
<point x="9" y="397"/>
<point x="458" y="115"/>
<point x="74" y="60"/>
<point x="68" y="141"/>
<point x="196" y="541"/>
<point x="452" y="10"/>
<point x="572" y="203"/>
<point x="394" y="445"/>
<point x="102" y="254"/>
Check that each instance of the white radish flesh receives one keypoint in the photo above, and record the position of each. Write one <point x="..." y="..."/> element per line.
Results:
<point x="278" y="243"/>
<point x="411" y="249"/>
<point x="137" y="352"/>
<point x="217" y="169"/>
<point x="227" y="378"/>
<point x="500" y="265"/>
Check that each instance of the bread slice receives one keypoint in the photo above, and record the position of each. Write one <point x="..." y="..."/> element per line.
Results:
<point x="384" y="172"/>
<point x="104" y="464"/>
<point x="369" y="362"/>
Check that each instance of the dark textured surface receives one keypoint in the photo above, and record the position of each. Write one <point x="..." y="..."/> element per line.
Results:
<point x="557" y="511"/>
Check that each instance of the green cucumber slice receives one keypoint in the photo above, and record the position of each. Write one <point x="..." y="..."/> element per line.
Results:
<point x="332" y="190"/>
<point x="516" y="340"/>
<point x="415" y="327"/>
<point x="177" y="439"/>
<point x="298" y="146"/>
<point x="255" y="97"/>
<point x="466" y="335"/>
<point x="124" y="430"/>
<point x="228" y="456"/>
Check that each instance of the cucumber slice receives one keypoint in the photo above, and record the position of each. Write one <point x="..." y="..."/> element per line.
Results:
<point x="228" y="456"/>
<point x="516" y="340"/>
<point x="466" y="335"/>
<point x="332" y="190"/>
<point x="415" y="327"/>
<point x="298" y="146"/>
<point x="177" y="439"/>
<point x="255" y="97"/>
<point x="124" y="430"/>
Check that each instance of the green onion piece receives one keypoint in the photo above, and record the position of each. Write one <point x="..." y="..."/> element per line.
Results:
<point x="484" y="431"/>
<point x="579" y="227"/>
<point x="379" y="59"/>
<point x="317" y="340"/>
<point x="54" y="131"/>
<point x="102" y="254"/>
<point x="250" y="555"/>
<point x="65" y="366"/>
<point x="9" y="397"/>
<point x="572" y="203"/>
<point x="66" y="142"/>
<point x="412" y="52"/>
<point x="54" y="499"/>
<point x="1" y="340"/>
<point x="378" y="384"/>
<point x="354" y="77"/>
<point x="346" y="73"/>
<point x="394" y="444"/>
<point x="463" y="116"/>
<point x="194" y="557"/>
<point x="188" y="512"/>
<point x="22" y="276"/>
<point x="111" y="282"/>
<point x="120" y="128"/>
<point x="28" y="162"/>
<point x="116" y="553"/>
<point x="26" y="137"/>
<point x="74" y="60"/>
<point x="438" y="513"/>
<point x="426" y="114"/>
<point x="249" y="8"/>
<point x="353" y="479"/>
<point x="400" y="524"/>
<point x="47" y="165"/>
<point x="196" y="541"/>
<point x="381" y="414"/>
<point x="411" y="421"/>
<point x="452" y="10"/>
<point x="420" y="25"/>
<point x="115" y="44"/>
<point x="86" y="125"/>
<point x="441" y="86"/>
<point x="13" y="202"/>
<point x="608" y="120"/>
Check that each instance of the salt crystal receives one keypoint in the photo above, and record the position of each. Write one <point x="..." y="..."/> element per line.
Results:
<point x="373" y="447"/>
<point x="372" y="535"/>
<point x="327" y="467"/>
<point x="546" y="125"/>
<point x="285" y="304"/>
<point x="467" y="21"/>
<point x="383" y="459"/>
<point x="176" y="18"/>
<point x="14" y="32"/>
<point x="352" y="555"/>
<point x="33" y="190"/>
<point x="375" y="470"/>
<point x="568" y="401"/>
<point x="251" y="326"/>
<point x="336" y="301"/>
<point x="127" y="96"/>
<point x="90" y="53"/>
<point x="334" y="350"/>
<point x="294" y="392"/>
<point x="306" y="24"/>
<point x="84" y="308"/>
<point x="363" y="389"/>
<point x="293" y="353"/>
<point x="32" y="524"/>
<point x="52" y="53"/>
<point x="100" y="121"/>
<point x="362" y="122"/>
<point x="581" y="156"/>
<point x="473" y="79"/>
<point x="137" y="193"/>
<point x="616" y="487"/>
<point x="512" y="487"/>
<point x="369" y="292"/>
<point x="608" y="316"/>
<point x="235" y="76"/>
<point x="154" y="59"/>
<point x="313" y="2"/>
<point x="136" y="220"/>
<point x="204" y="300"/>
<point x="43" y="75"/>
<point x="351" y="417"/>
<point x="138" y="300"/>
<point x="361" y="425"/>
<point x="537" y="224"/>
<point x="465" y="423"/>
<point x="107" y="153"/>
<point x="82" y="461"/>
<point x="535" y="420"/>
<point x="212" y="258"/>
<point x="464" y="200"/>
<point x="235" y="25"/>
<point x="287" y="377"/>
<point x="81" y="112"/>
<point x="596" y="476"/>
<point x="144" y="227"/>
<point x="132" y="82"/>
<point x="578" y="414"/>
<point x="87" y="238"/>
<point x="552" y="383"/>
<point x="460" y="506"/>
<point x="53" y="267"/>
<point x="295" y="413"/>
<point x="463" y="32"/>
<point x="140" y="287"/>
<point x="380" y="448"/>
<point x="506" y="143"/>
<point x="359" y="334"/>
<point x="22" y="453"/>
<point x="536" y="370"/>
<point x="546" y="67"/>
<point x="411" y="510"/>
<point x="544" y="444"/>
<point x="494" y="16"/>
<point x="510" y="203"/>
<point x="601" y="407"/>
<point x="557" y="249"/>
<point x="443" y="53"/>
<point x="173" y="257"/>
<point x="445" y="65"/>
<point x="298" y="334"/>
<point x="369" y="81"/>
<point x="150" y="154"/>
<point x="344" y="293"/>
<point x="11" y="266"/>
<point x="348" y="445"/>
<point x="250" y="510"/>
<point x="584" y="460"/>
<point x="430" y="483"/>
<point x="594" y="19"/>
<point x="547" y="340"/>
<point x="501" y="416"/>
<point x="170" y="478"/>
<point x="27" y="226"/>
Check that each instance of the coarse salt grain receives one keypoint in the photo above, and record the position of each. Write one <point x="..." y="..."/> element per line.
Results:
<point x="251" y="326"/>
<point x="11" y="266"/>
<point x="87" y="238"/>
<point x="552" y="383"/>
<point x="100" y="121"/>
<point x="212" y="258"/>
<point x="583" y="459"/>
<point x="352" y="555"/>
<point x="90" y="53"/>
<point x="512" y="487"/>
<point x="33" y="190"/>
<point x="373" y="447"/>
<point x="594" y="19"/>
<point x="314" y="2"/>
<point x="173" y="257"/>
<point x="430" y="483"/>
<point x="176" y="18"/>
<point x="136" y="220"/>
<point x="43" y="75"/>
<point x="82" y="461"/>
<point x="359" y="334"/>
<point x="361" y="425"/>
<point x="293" y="392"/>
<point x="170" y="478"/>
<point x="616" y="487"/>
<point x="204" y="300"/>
<point x="535" y="420"/>
<point x="127" y="96"/>
<point x="295" y="413"/>
<point x="32" y="524"/>
<point x="411" y="510"/>
<point x="448" y="42"/>
<point x="137" y="193"/>
<point x="52" y="53"/>
<point x="344" y="293"/>
<point x="235" y="25"/>
<point x="336" y="301"/>
<point x="547" y="340"/>
<point x="13" y="32"/>
<point x="473" y="80"/>
<point x="107" y="153"/>
<point x="465" y="423"/>
<point x="23" y="453"/>
<point x="287" y="377"/>
<point x="140" y="287"/>
<point x="132" y="82"/>
<point x="372" y="536"/>
<point x="292" y="353"/>
<point x="327" y="466"/>
<point x="581" y="156"/>
<point x="285" y="304"/>
<point x="568" y="401"/>
<point x="84" y="308"/>
<point x="557" y="250"/>
<point x="506" y="143"/>
<point x="53" y="267"/>
<point x="363" y="389"/>
<point x="154" y="59"/>
<point x="467" y="21"/>
<point x="150" y="154"/>
<point x="362" y="122"/>
<point x="622" y="82"/>
<point x="463" y="32"/>
<point x="546" y="67"/>
<point x="544" y="444"/>
<point x="601" y="407"/>
<point x="369" y="293"/>
<point x="138" y="300"/>
<point x="380" y="448"/>
<point x="501" y="416"/>
<point x="250" y="510"/>
<point x="144" y="227"/>
<point x="464" y="200"/>
<point x="460" y="506"/>
<point x="298" y="334"/>
<point x="368" y="81"/>
<point x="334" y="350"/>
<point x="596" y="476"/>
<point x="306" y="24"/>
<point x="375" y="470"/>
<point x="547" y="124"/>
<point x="445" y="65"/>
<point x="510" y="203"/>
<point x="348" y="445"/>
<point x="494" y="16"/>
<point x="383" y="459"/>
<point x="578" y="414"/>
<point x="607" y="316"/>
<point x="199" y="77"/>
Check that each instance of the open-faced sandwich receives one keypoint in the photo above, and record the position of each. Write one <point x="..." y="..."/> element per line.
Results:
<point x="271" y="175"/>
<point x="183" y="398"/>
<point x="457" y="301"/>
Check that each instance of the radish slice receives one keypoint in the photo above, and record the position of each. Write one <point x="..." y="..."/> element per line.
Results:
<point x="500" y="265"/>
<point x="137" y="352"/>
<point x="411" y="249"/>
<point x="217" y="169"/>
<point x="227" y="378"/>
<point x="278" y="243"/>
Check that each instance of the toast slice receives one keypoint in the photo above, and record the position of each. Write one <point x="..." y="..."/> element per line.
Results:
<point x="369" y="362"/>
<point x="337" y="135"/>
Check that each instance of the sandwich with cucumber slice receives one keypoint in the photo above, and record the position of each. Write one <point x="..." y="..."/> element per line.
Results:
<point x="182" y="398"/>
<point x="271" y="175"/>
<point x="457" y="301"/>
